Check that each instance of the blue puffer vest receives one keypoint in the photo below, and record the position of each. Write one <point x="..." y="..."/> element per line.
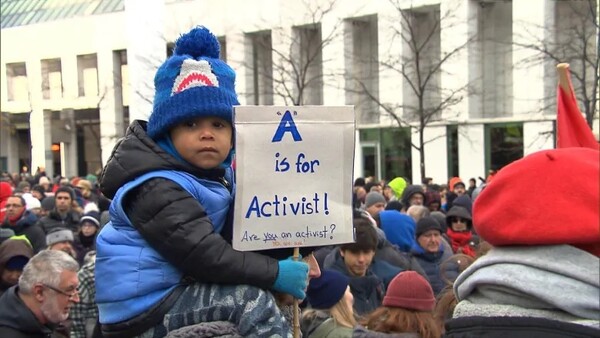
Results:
<point x="131" y="276"/>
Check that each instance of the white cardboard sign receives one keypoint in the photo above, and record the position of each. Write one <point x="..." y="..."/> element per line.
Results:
<point x="294" y="169"/>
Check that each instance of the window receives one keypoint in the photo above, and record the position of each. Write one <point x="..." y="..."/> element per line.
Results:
<point x="420" y="59"/>
<point x="52" y="79"/>
<point x="307" y="60"/>
<point x="16" y="75"/>
<point x="123" y="81"/>
<point x="362" y="68"/>
<point x="223" y="50"/>
<point x="504" y="144"/>
<point x="259" y="79"/>
<point x="87" y="71"/>
<point x="452" y="149"/>
<point x="391" y="149"/>
<point x="494" y="48"/>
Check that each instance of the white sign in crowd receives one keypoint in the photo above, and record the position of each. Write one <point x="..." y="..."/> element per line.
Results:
<point x="294" y="171"/>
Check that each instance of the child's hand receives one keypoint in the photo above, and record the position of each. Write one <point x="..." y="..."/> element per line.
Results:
<point x="292" y="278"/>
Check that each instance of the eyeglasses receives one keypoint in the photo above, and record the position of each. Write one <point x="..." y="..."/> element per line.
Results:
<point x="71" y="294"/>
<point x="458" y="219"/>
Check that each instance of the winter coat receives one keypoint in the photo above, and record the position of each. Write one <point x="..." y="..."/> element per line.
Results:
<point x="53" y="221"/>
<point x="28" y="226"/>
<point x="17" y="321"/>
<point x="431" y="263"/>
<point x="389" y="253"/>
<point x="362" y="332"/>
<point x="172" y="239"/>
<point x="321" y="325"/>
<point x="516" y="327"/>
<point x="528" y="291"/>
<point x="368" y="291"/>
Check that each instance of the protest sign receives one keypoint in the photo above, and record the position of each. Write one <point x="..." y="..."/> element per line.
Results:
<point x="294" y="168"/>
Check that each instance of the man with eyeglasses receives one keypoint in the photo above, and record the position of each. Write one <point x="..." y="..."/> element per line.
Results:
<point x="23" y="222"/>
<point x="43" y="297"/>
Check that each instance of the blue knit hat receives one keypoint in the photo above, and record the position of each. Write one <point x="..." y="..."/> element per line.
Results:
<point x="327" y="290"/>
<point x="192" y="83"/>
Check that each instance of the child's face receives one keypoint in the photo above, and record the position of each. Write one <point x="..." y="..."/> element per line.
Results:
<point x="204" y="142"/>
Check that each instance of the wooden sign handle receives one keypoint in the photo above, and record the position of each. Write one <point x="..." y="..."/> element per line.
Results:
<point x="296" y="308"/>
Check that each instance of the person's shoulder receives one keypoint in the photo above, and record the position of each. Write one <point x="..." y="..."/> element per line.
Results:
<point x="7" y="331"/>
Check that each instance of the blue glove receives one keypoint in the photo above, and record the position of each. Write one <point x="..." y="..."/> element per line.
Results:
<point x="292" y="278"/>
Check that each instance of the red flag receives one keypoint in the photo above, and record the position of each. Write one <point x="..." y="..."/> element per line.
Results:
<point x="572" y="129"/>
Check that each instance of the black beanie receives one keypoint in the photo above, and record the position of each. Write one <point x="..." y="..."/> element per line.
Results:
<point x="425" y="224"/>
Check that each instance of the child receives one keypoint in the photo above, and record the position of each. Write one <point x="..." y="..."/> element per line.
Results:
<point x="162" y="262"/>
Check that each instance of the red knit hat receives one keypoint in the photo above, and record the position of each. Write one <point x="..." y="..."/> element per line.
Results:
<point x="568" y="178"/>
<point x="409" y="290"/>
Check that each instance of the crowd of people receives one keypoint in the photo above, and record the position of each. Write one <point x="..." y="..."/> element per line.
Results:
<point x="146" y="252"/>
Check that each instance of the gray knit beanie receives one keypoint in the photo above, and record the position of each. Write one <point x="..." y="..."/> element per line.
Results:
<point x="374" y="197"/>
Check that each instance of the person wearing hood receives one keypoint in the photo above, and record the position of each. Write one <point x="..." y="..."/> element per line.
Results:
<point x="459" y="234"/>
<point x="397" y="185"/>
<point x="5" y="192"/>
<point x="15" y="252"/>
<point x="413" y="195"/>
<point x="24" y="222"/>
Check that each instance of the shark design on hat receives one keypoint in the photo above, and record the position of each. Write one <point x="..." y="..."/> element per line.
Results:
<point x="194" y="74"/>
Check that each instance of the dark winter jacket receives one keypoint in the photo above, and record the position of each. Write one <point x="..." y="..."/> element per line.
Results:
<point x="368" y="291"/>
<point x="27" y="226"/>
<point x="431" y="262"/>
<point x="200" y="254"/>
<point x="53" y="221"/>
<point x="516" y="327"/>
<point x="17" y="321"/>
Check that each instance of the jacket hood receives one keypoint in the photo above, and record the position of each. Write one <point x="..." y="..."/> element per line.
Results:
<point x="461" y="212"/>
<point x="5" y="190"/>
<point x="136" y="154"/>
<point x="411" y="190"/>
<point x="399" y="229"/>
<point x="13" y="247"/>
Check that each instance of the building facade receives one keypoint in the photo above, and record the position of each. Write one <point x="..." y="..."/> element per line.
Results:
<point x="466" y="85"/>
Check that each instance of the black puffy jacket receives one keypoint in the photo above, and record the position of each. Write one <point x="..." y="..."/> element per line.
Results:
<point x="160" y="209"/>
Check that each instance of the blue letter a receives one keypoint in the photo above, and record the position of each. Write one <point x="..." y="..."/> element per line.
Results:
<point x="287" y="124"/>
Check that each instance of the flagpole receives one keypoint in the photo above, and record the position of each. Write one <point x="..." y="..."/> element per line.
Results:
<point x="563" y="78"/>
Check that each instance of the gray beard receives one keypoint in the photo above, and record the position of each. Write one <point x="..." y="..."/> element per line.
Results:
<point x="50" y="310"/>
